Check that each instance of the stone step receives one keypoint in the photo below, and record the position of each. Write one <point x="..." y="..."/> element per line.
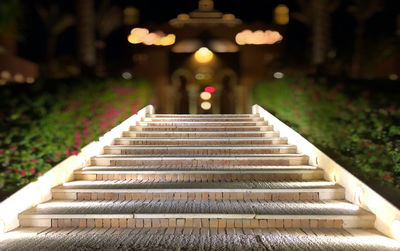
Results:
<point x="198" y="190"/>
<point x="202" y="115"/>
<point x="268" y="134"/>
<point x="199" y="150"/>
<point x="245" y="214"/>
<point x="202" y="128"/>
<point x="202" y="141"/>
<point x="208" y="119"/>
<point x="202" y="123"/>
<point x="210" y="161"/>
<point x="198" y="175"/>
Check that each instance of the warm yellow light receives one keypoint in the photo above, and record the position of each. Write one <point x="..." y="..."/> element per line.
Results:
<point x="19" y="78"/>
<point x="205" y="95"/>
<point x="203" y="55"/>
<point x="133" y="39"/>
<point x="167" y="40"/>
<point x="258" y="37"/>
<point x="183" y="17"/>
<point x="30" y="80"/>
<point x="6" y="75"/>
<point x="205" y="105"/>
<point x="281" y="14"/>
<point x="358" y="196"/>
<point x="333" y="177"/>
<point x="396" y="229"/>
<point x="228" y="17"/>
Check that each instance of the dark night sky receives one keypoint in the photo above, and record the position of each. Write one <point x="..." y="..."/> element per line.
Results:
<point x="32" y="41"/>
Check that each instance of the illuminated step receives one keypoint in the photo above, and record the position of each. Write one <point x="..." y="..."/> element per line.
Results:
<point x="211" y="161"/>
<point x="202" y="115"/>
<point x="202" y="123"/>
<point x="246" y="214"/>
<point x="202" y="128"/>
<point x="202" y="141"/>
<point x="208" y="119"/>
<point x="199" y="134"/>
<point x="199" y="150"/>
<point x="254" y="190"/>
<point x="199" y="175"/>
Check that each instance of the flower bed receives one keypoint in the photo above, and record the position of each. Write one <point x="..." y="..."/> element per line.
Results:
<point x="357" y="126"/>
<point x="44" y="123"/>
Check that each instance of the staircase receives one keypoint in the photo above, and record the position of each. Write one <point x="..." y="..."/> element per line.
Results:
<point x="199" y="171"/>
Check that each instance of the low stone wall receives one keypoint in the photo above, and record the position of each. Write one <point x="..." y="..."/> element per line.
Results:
<point x="40" y="190"/>
<point x="387" y="215"/>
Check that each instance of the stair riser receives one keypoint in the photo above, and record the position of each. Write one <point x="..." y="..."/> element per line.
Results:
<point x="191" y="124"/>
<point x="122" y="141"/>
<point x="203" y="116"/>
<point x="201" y="119"/>
<point x="203" y="196"/>
<point x="204" y="177"/>
<point x="276" y="161"/>
<point x="304" y="223"/>
<point x="201" y="129"/>
<point x="184" y="151"/>
<point x="198" y="135"/>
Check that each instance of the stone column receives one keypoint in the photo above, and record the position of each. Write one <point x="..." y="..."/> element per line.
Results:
<point x="193" y="94"/>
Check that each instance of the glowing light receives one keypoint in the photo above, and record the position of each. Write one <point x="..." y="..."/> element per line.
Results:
<point x="131" y="15"/>
<point x="333" y="177"/>
<point x="5" y="74"/>
<point x="141" y="35"/>
<point x="205" y="95"/>
<point x="183" y="17"/>
<point x="205" y="105"/>
<point x="358" y="196"/>
<point x="203" y="55"/>
<point x="19" y="78"/>
<point x="127" y="75"/>
<point x="258" y="37"/>
<point x="209" y="89"/>
<point x="30" y="80"/>
<point x="228" y="17"/>
<point x="281" y="14"/>
<point x="278" y="75"/>
<point x="393" y="77"/>
<point x="396" y="229"/>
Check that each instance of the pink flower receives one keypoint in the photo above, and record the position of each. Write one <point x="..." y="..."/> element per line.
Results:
<point x="103" y="125"/>
<point x="22" y="173"/>
<point x="34" y="161"/>
<point x="14" y="148"/>
<point x="75" y="152"/>
<point x="86" y="122"/>
<point x="32" y="170"/>
<point x="56" y="156"/>
<point x="9" y="171"/>
<point x="38" y="174"/>
<point x="67" y="151"/>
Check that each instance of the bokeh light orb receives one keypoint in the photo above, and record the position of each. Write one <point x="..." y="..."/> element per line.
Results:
<point x="205" y="95"/>
<point x="278" y="75"/>
<point x="205" y="105"/>
<point x="209" y="89"/>
<point x="203" y="55"/>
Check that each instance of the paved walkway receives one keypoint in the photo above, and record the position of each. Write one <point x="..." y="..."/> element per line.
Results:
<point x="194" y="239"/>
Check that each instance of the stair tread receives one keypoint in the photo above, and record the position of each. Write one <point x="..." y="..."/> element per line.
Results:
<point x="220" y="156"/>
<point x="166" y="185"/>
<point x="205" y="169"/>
<point x="239" y="208"/>
<point x="238" y="169"/>
<point x="197" y="147"/>
<point x="203" y="138"/>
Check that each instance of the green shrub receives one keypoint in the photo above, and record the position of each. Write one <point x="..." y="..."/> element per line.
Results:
<point x="361" y="132"/>
<point x="44" y="123"/>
